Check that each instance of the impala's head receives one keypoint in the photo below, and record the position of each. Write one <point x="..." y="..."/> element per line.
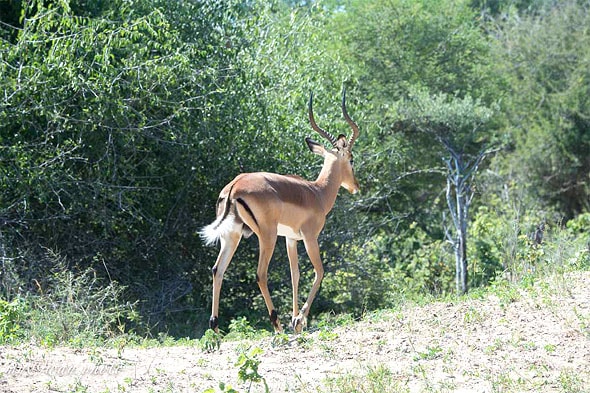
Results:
<point x="341" y="153"/>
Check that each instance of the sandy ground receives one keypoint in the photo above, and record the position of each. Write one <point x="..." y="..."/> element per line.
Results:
<point x="513" y="341"/>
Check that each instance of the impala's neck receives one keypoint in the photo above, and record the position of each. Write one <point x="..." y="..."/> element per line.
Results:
<point x="328" y="182"/>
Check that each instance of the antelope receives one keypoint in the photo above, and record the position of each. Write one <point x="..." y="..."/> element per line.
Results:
<point x="271" y="205"/>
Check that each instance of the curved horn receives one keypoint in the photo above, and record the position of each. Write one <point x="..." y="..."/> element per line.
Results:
<point x="355" y="128"/>
<point x="323" y="133"/>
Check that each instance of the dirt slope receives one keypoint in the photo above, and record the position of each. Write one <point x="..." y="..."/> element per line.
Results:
<point x="512" y="341"/>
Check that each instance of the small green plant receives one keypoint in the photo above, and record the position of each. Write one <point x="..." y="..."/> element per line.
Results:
<point x="327" y="335"/>
<point x="10" y="316"/>
<point x="128" y="381"/>
<point x="223" y="388"/>
<point x="431" y="353"/>
<point x="248" y="368"/>
<point x="304" y="340"/>
<point x="78" y="387"/>
<point x="505" y="291"/>
<point x="495" y="346"/>
<point x="210" y="341"/>
<point x="96" y="357"/>
<point x="473" y="315"/>
<point x="280" y="339"/>
<point x="247" y="364"/>
<point x="239" y="328"/>
<point x="583" y="321"/>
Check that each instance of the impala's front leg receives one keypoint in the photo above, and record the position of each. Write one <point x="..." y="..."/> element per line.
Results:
<point x="294" y="266"/>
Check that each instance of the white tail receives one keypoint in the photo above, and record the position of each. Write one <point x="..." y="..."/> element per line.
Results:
<point x="217" y="229"/>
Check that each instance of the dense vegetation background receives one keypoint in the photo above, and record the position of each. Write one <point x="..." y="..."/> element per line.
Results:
<point x="121" y="120"/>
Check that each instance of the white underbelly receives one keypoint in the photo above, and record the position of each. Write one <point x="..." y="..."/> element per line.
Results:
<point x="283" y="230"/>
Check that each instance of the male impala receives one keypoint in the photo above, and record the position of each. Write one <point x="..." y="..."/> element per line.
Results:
<point x="272" y="205"/>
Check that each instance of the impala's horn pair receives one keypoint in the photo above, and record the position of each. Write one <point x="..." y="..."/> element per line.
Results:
<point x="326" y="134"/>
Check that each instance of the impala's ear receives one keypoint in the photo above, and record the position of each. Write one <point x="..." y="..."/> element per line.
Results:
<point x="341" y="142"/>
<point x="315" y="147"/>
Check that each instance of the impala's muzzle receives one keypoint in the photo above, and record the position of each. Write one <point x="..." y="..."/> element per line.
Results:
<point x="354" y="188"/>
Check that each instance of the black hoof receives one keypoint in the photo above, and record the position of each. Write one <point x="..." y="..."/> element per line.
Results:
<point x="274" y="320"/>
<point x="213" y="323"/>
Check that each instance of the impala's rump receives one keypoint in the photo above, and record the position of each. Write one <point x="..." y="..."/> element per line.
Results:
<point x="228" y="219"/>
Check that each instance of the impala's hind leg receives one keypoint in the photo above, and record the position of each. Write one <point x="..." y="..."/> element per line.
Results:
<point x="294" y="266"/>
<point x="313" y="250"/>
<point x="267" y="245"/>
<point x="229" y="243"/>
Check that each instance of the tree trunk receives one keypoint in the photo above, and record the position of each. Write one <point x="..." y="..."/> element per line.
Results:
<point x="462" y="258"/>
<point x="460" y="216"/>
<point x="459" y="197"/>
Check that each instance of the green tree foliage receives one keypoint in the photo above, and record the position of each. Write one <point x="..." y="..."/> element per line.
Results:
<point x="546" y="57"/>
<point x="11" y="317"/>
<point x="110" y="127"/>
<point x="398" y="48"/>
<point x="398" y="45"/>
<point x="495" y="8"/>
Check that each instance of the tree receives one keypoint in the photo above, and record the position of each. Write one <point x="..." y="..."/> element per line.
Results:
<point x="411" y="53"/>
<point x="457" y="125"/>
<point x="395" y="47"/>
<point x="545" y="56"/>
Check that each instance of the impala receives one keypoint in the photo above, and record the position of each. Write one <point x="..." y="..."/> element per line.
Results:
<point x="272" y="205"/>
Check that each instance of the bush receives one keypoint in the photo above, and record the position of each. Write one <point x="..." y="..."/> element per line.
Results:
<point x="387" y="270"/>
<point x="78" y="308"/>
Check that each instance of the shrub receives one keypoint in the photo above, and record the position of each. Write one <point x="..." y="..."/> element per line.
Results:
<point x="388" y="270"/>
<point x="77" y="308"/>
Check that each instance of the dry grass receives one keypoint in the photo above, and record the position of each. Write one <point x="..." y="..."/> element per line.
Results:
<point x="509" y="339"/>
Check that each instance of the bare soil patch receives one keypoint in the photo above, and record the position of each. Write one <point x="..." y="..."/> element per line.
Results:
<point x="512" y="340"/>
